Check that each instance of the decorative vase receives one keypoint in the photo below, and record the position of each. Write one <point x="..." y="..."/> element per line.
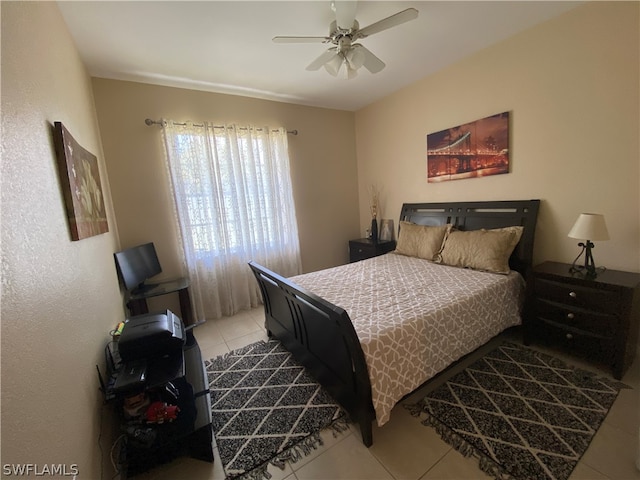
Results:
<point x="374" y="230"/>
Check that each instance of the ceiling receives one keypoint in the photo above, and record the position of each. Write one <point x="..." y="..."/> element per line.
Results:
<point x="226" y="47"/>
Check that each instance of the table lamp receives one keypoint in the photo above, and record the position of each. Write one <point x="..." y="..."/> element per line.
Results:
<point x="588" y="227"/>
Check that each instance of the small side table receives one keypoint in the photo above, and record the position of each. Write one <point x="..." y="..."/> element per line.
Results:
<point x="597" y="318"/>
<point x="364" y="248"/>
<point x="137" y="302"/>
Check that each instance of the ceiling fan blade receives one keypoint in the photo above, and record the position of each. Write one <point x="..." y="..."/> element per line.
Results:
<point x="371" y="62"/>
<point x="396" y="19"/>
<point x="322" y="59"/>
<point x="345" y="13"/>
<point x="301" y="39"/>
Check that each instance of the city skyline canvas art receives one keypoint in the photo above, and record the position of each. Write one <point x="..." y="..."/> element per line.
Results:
<point x="475" y="149"/>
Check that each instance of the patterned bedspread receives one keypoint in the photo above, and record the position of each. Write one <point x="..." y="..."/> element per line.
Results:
<point x="414" y="318"/>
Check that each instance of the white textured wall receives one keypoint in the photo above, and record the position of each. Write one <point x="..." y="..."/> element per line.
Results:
<point x="59" y="297"/>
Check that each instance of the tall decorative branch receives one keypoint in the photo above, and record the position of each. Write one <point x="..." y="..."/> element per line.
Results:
<point x="375" y="196"/>
<point x="373" y="207"/>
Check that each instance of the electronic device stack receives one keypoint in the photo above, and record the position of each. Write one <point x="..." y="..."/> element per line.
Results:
<point x="157" y="383"/>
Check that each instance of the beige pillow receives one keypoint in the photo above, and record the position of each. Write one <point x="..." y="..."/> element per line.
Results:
<point x="422" y="241"/>
<point x="487" y="250"/>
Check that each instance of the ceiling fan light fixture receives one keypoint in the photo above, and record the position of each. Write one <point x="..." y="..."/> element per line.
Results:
<point x="333" y="65"/>
<point x="355" y="57"/>
<point x="344" y="31"/>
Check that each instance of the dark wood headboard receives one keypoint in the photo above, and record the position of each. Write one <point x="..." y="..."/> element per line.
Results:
<point x="477" y="215"/>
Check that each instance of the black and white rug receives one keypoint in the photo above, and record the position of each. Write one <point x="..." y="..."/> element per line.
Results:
<point x="522" y="413"/>
<point x="266" y="409"/>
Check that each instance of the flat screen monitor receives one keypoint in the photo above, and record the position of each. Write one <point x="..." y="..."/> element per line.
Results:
<point x="137" y="264"/>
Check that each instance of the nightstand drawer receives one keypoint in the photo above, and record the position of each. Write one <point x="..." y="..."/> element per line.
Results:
<point x="360" y="252"/>
<point x="364" y="248"/>
<point x="588" y="321"/>
<point x="596" y="317"/>
<point x="583" y="344"/>
<point x="599" y="300"/>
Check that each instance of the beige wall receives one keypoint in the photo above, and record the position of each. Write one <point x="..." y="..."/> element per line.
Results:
<point x="323" y="165"/>
<point x="572" y="87"/>
<point x="59" y="297"/>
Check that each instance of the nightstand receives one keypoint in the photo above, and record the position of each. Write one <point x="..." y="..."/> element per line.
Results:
<point x="596" y="318"/>
<point x="363" y="248"/>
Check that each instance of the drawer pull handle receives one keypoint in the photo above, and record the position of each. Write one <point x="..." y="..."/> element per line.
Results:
<point x="569" y="336"/>
<point x="573" y="294"/>
<point x="570" y="316"/>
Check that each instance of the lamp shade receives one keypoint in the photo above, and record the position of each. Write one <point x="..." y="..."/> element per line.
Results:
<point x="333" y="65"/>
<point x="355" y="57"/>
<point x="590" y="226"/>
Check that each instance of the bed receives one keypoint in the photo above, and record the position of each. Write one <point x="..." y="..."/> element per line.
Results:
<point x="328" y="327"/>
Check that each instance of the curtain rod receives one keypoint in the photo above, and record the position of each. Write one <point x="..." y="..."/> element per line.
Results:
<point x="150" y="122"/>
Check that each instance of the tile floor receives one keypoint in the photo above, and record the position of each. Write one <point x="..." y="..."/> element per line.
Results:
<point x="403" y="448"/>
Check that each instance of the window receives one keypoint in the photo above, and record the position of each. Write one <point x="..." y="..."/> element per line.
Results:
<point x="234" y="201"/>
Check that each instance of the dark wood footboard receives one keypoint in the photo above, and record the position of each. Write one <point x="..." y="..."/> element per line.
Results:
<point x="321" y="337"/>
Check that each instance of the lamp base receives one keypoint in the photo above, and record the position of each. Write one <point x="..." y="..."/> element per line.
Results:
<point x="589" y="269"/>
<point x="584" y="272"/>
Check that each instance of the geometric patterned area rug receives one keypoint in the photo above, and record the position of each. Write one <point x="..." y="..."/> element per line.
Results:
<point x="266" y="409"/>
<point x="522" y="413"/>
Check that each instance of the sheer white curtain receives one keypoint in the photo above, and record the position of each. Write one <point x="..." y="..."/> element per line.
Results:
<point x="234" y="204"/>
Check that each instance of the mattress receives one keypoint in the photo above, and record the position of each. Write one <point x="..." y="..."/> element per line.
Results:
<point x="414" y="317"/>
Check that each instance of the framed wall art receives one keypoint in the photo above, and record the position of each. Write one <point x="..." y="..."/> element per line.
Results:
<point x="80" y="181"/>
<point x="476" y="149"/>
<point x="386" y="230"/>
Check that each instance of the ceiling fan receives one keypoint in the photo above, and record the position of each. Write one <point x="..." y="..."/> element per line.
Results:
<point x="343" y="33"/>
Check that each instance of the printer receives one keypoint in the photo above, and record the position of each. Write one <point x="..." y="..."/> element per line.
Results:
<point x="150" y="348"/>
<point x="151" y="335"/>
